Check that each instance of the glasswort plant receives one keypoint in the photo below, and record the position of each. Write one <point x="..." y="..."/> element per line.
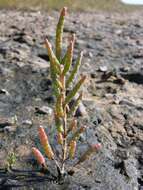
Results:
<point x="63" y="76"/>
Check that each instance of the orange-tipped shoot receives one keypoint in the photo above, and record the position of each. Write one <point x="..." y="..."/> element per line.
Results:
<point x="45" y="143"/>
<point x="64" y="11"/>
<point x="39" y="157"/>
<point x="93" y="148"/>
<point x="59" y="33"/>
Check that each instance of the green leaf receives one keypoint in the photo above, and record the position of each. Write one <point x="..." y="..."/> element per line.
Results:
<point x="59" y="33"/>
<point x="59" y="106"/>
<point x="75" y="69"/>
<point x="71" y="40"/>
<point x="72" y="93"/>
<point x="56" y="69"/>
<point x="11" y="160"/>
<point x="55" y="84"/>
<point x="59" y="125"/>
<point x="67" y="60"/>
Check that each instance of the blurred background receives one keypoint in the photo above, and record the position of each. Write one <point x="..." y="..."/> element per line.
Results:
<point x="89" y="5"/>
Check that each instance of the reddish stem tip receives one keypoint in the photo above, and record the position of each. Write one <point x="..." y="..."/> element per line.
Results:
<point x="64" y="11"/>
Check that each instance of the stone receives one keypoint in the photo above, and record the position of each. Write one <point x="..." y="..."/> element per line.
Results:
<point x="93" y="75"/>
<point x="44" y="110"/>
<point x="103" y="68"/>
<point x="90" y="54"/>
<point x="81" y="111"/>
<point x="4" y="122"/>
<point x="10" y="129"/>
<point x="135" y="77"/>
<point x="125" y="69"/>
<point x="27" y="122"/>
<point x="46" y="84"/>
<point x="50" y="99"/>
<point x="3" y="91"/>
<point x="118" y="32"/>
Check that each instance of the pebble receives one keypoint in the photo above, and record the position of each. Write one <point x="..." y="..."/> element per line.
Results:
<point x="45" y="84"/>
<point x="9" y="129"/>
<point x="81" y="110"/>
<point x="3" y="91"/>
<point x="27" y="122"/>
<point x="118" y="32"/>
<point x="90" y="54"/>
<point x="4" y="122"/>
<point x="103" y="68"/>
<point x="93" y="75"/>
<point x="44" y="110"/>
<point x="125" y="69"/>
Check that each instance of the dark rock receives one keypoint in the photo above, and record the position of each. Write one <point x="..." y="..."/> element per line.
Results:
<point x="50" y="99"/>
<point x="45" y="84"/>
<point x="138" y="55"/>
<point x="22" y="37"/>
<point x="137" y="25"/>
<point x="3" y="91"/>
<point x="98" y="37"/>
<point x="81" y="111"/>
<point x="91" y="45"/>
<point x="4" y="123"/>
<point x="69" y="30"/>
<point x="44" y="56"/>
<point x="124" y="69"/>
<point x="97" y="121"/>
<point x="9" y="129"/>
<point x="41" y="52"/>
<point x="119" y="81"/>
<point x="123" y="154"/>
<point x="134" y="77"/>
<point x="93" y="75"/>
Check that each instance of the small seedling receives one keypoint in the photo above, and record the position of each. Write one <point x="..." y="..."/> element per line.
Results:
<point x="67" y="131"/>
<point x="11" y="160"/>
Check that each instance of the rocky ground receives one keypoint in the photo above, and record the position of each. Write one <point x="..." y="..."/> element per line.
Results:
<point x="113" y="94"/>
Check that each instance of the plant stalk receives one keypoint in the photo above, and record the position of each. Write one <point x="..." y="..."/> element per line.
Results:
<point x="64" y="146"/>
